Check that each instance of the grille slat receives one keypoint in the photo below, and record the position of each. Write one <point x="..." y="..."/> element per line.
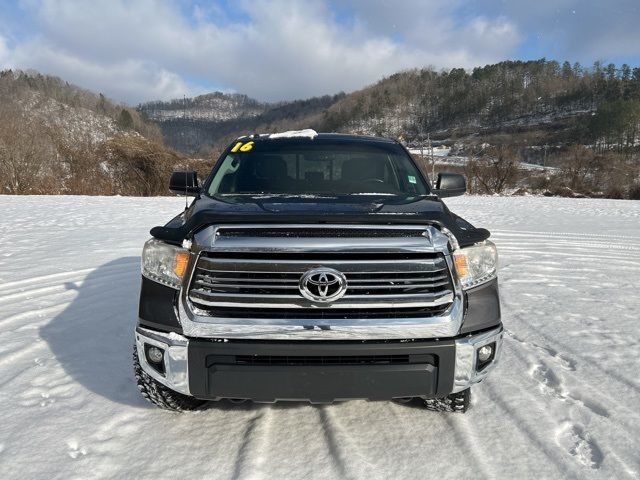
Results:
<point x="279" y="232"/>
<point x="394" y="286"/>
<point x="244" y="300"/>
<point x="245" y="285"/>
<point x="296" y="265"/>
<point x="234" y="280"/>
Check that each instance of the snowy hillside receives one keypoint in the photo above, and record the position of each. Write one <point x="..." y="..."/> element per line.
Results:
<point x="563" y="402"/>
<point x="215" y="106"/>
<point x="76" y="124"/>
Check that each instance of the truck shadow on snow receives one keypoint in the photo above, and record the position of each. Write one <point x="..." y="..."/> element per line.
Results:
<point x="92" y="338"/>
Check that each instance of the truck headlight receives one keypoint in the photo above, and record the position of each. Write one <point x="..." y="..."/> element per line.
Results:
<point x="164" y="263"/>
<point x="476" y="264"/>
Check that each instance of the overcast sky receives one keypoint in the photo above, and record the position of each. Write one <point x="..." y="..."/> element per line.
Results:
<point x="135" y="51"/>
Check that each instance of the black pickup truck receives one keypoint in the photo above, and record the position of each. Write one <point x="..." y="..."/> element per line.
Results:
<point x="316" y="267"/>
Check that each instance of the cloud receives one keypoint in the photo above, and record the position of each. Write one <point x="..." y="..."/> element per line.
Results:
<point x="584" y="30"/>
<point x="285" y="49"/>
<point x="272" y="50"/>
<point x="5" y="61"/>
<point x="129" y="80"/>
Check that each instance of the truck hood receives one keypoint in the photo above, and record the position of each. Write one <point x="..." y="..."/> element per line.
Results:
<point x="297" y="209"/>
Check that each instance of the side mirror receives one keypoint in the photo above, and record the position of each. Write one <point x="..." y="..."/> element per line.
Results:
<point x="184" y="183"/>
<point x="450" y="185"/>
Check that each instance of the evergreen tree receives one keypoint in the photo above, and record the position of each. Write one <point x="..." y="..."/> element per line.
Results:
<point x="125" y="120"/>
<point x="577" y="69"/>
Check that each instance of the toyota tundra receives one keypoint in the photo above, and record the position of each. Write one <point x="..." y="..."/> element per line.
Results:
<point x="319" y="268"/>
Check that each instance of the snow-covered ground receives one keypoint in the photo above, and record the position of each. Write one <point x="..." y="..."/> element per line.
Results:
<point x="563" y="403"/>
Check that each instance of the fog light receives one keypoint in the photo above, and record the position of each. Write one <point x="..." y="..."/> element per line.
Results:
<point x="155" y="354"/>
<point x="484" y="353"/>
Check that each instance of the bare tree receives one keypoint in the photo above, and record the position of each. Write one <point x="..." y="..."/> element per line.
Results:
<point x="495" y="169"/>
<point x="578" y="168"/>
<point x="139" y="166"/>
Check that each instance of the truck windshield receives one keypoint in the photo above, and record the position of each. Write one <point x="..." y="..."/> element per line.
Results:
<point x="317" y="168"/>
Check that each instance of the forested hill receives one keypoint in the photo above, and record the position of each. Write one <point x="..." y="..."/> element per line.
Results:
<point x="506" y="97"/>
<point x="215" y="107"/>
<point x="77" y="111"/>
<point x="537" y="102"/>
<point x="58" y="138"/>
<point x="196" y="125"/>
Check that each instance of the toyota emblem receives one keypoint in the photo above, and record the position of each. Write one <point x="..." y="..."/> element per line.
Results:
<point x="323" y="285"/>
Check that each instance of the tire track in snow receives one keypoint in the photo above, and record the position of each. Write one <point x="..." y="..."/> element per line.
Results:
<point x="530" y="233"/>
<point x="40" y="313"/>
<point x="604" y="245"/>
<point x="43" y="293"/>
<point x="560" y="242"/>
<point x="20" y="352"/>
<point x="466" y="436"/>
<point x="44" y="278"/>
<point x="533" y="255"/>
<point x="338" y="440"/>
<point x="54" y="278"/>
<point x="340" y="461"/>
<point x="40" y="293"/>
<point x="255" y="442"/>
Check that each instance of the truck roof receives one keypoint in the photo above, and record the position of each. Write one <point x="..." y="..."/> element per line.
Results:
<point x="312" y="135"/>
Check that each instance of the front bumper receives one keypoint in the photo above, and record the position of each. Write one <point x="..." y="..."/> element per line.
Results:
<point x="320" y="372"/>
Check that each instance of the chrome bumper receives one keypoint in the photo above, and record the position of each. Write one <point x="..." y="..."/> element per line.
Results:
<point x="466" y="373"/>
<point x="176" y="365"/>
<point x="445" y="326"/>
<point x="176" y="347"/>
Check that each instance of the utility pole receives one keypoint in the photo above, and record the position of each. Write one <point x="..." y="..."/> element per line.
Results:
<point x="433" y="163"/>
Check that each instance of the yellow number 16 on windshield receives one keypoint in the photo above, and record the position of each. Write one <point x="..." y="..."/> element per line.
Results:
<point x="242" y="147"/>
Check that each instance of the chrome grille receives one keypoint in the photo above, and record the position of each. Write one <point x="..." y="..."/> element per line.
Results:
<point x="246" y="281"/>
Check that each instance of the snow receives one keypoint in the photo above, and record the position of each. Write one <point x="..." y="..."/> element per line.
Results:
<point x="563" y="402"/>
<point x="441" y="157"/>
<point x="439" y="151"/>
<point x="306" y="133"/>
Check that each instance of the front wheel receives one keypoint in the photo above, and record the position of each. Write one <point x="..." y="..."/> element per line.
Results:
<point x="159" y="394"/>
<point x="455" y="402"/>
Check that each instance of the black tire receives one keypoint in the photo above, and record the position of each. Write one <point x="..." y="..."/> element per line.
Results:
<point x="455" y="402"/>
<point x="160" y="395"/>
